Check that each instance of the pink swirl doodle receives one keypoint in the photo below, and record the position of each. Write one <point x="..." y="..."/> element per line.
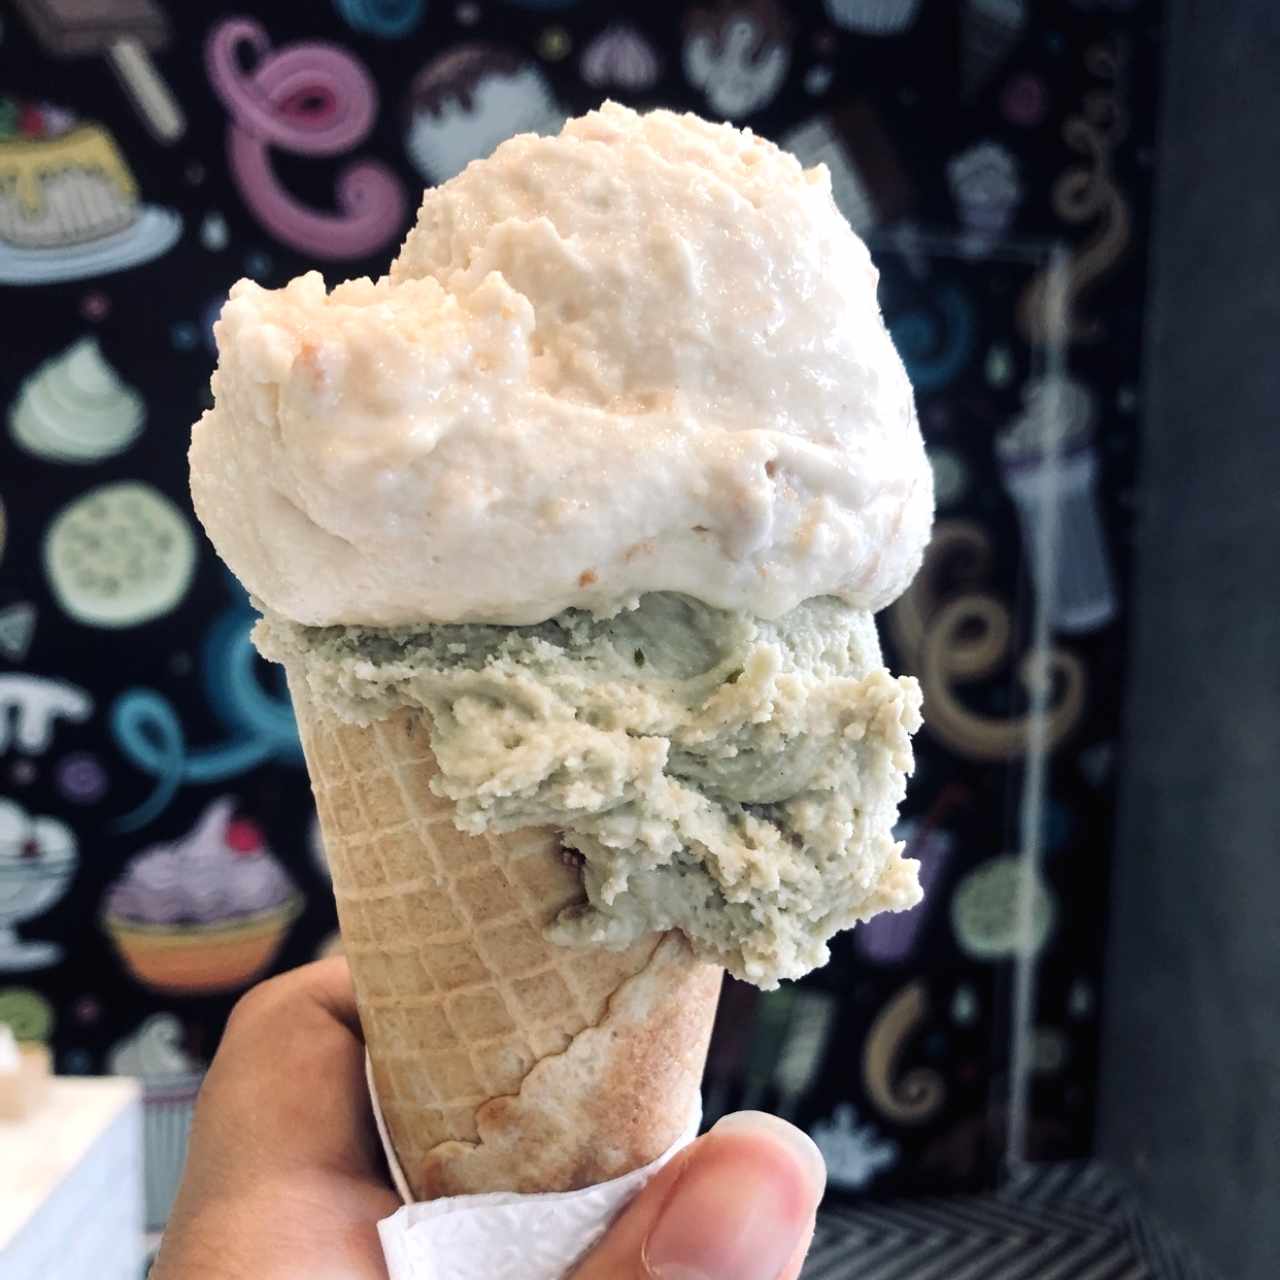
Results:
<point x="312" y="99"/>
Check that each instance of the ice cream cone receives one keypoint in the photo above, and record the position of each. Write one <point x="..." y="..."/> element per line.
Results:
<point x="502" y="1062"/>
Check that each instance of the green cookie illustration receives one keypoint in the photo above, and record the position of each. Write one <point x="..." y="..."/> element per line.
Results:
<point x="29" y="1014"/>
<point x="119" y="556"/>
<point x="984" y="910"/>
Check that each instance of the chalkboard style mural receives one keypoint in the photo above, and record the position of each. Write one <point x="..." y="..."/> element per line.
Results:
<point x="158" y="850"/>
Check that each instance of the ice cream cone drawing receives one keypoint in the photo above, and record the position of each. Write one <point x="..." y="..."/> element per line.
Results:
<point x="76" y="408"/>
<point x="989" y="30"/>
<point x="156" y="1055"/>
<point x="466" y="101"/>
<point x="69" y="205"/>
<point x="38" y="857"/>
<point x="1050" y="469"/>
<point x="205" y="913"/>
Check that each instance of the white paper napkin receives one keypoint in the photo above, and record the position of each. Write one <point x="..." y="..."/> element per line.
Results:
<point x="502" y="1236"/>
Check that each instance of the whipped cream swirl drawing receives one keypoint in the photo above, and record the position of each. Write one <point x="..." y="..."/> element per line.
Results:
<point x="221" y="872"/>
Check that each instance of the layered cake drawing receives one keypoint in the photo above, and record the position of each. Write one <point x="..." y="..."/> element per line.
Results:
<point x="69" y="205"/>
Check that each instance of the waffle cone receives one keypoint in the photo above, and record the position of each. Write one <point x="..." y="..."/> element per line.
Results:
<point x="502" y="1062"/>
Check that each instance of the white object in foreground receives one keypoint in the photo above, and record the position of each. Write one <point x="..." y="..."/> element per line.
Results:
<point x="71" y="1185"/>
<point x="503" y="1235"/>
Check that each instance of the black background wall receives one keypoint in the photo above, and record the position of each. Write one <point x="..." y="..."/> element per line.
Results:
<point x="965" y="139"/>
<point x="1191" y="1069"/>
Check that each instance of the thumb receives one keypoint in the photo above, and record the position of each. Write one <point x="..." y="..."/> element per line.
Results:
<point x="736" y="1205"/>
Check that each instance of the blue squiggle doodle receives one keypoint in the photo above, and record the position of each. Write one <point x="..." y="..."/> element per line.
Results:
<point x="147" y="729"/>
<point x="936" y="353"/>
<point x="149" y="733"/>
<point x="234" y="690"/>
<point x="387" y="18"/>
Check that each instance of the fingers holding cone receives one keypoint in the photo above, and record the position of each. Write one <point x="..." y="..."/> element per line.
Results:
<point x="738" y="1204"/>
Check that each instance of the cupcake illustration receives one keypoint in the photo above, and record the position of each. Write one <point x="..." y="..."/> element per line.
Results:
<point x="1049" y="465"/>
<point x="76" y="408"/>
<point x="156" y="1055"/>
<point x="206" y="913"/>
<point x="984" y="184"/>
<point x="37" y="860"/>
<point x="620" y="57"/>
<point x="465" y="102"/>
<point x="873" y="17"/>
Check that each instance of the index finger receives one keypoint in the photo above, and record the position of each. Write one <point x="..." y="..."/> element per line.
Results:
<point x="328" y="983"/>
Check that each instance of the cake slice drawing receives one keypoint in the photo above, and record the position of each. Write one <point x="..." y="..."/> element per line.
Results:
<point x="69" y="205"/>
<point x="868" y="180"/>
<point x="205" y="913"/>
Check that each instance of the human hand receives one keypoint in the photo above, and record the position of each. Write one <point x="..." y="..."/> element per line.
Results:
<point x="285" y="1176"/>
<point x="737" y="1204"/>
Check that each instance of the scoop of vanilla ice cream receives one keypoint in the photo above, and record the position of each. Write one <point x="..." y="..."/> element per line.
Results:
<point x="644" y="355"/>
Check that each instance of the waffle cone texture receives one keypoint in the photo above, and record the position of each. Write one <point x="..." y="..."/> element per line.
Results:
<point x="502" y="1062"/>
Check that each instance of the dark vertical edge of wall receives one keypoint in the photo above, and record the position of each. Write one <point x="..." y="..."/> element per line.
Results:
<point x="1191" y="1060"/>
